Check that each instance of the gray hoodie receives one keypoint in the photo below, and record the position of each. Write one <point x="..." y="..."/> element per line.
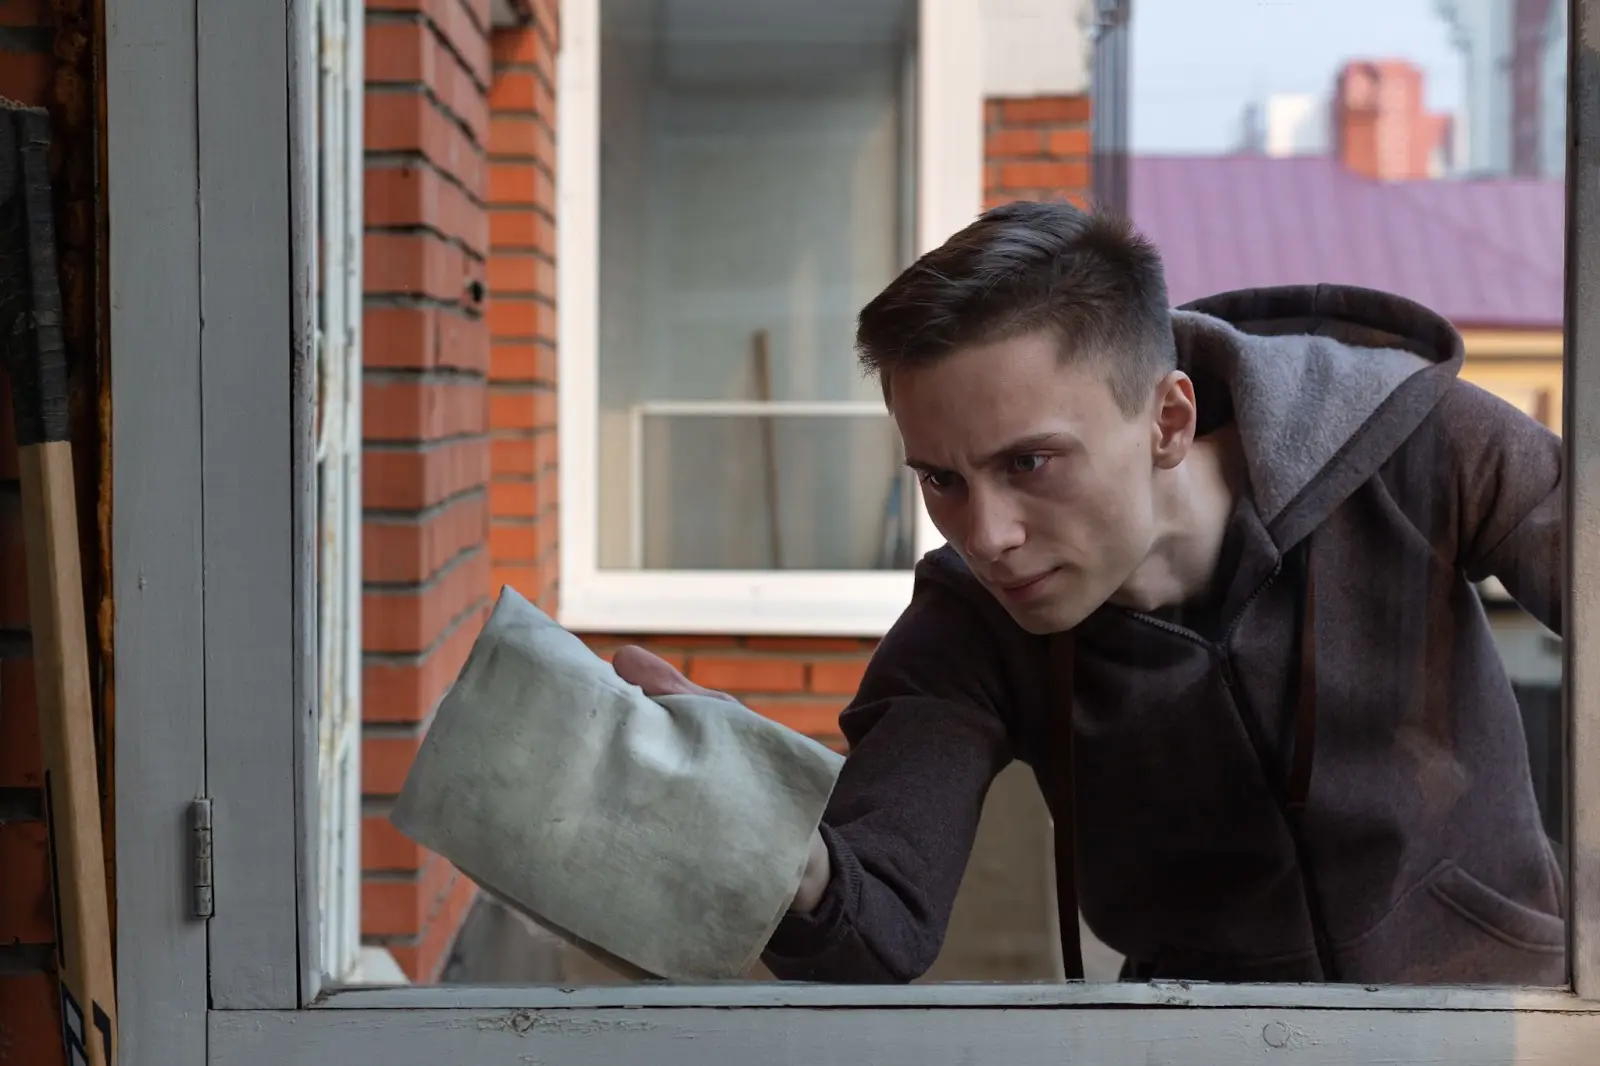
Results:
<point x="1397" y="840"/>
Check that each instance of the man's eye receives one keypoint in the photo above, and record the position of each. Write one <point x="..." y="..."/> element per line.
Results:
<point x="937" y="479"/>
<point x="1028" y="464"/>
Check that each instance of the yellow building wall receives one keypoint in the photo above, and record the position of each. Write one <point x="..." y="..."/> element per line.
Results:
<point x="1522" y="368"/>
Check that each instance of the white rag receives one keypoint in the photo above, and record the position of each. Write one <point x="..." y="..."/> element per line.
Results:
<point x="668" y="834"/>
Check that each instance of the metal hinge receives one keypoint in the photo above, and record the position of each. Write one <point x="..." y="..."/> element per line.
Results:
<point x="202" y="904"/>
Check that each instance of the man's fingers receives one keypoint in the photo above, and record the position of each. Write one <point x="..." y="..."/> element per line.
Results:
<point x="655" y="675"/>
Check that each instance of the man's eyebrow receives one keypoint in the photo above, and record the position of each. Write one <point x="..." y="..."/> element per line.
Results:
<point x="1021" y="446"/>
<point x="1032" y="443"/>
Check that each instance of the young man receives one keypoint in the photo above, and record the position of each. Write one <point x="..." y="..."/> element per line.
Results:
<point x="1234" y="546"/>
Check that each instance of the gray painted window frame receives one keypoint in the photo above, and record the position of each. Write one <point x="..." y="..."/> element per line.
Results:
<point x="210" y="329"/>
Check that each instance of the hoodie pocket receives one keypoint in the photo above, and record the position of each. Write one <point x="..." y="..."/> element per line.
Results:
<point x="1451" y="928"/>
<point x="1498" y="916"/>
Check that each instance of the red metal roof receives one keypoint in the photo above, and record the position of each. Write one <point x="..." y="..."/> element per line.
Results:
<point x="1484" y="252"/>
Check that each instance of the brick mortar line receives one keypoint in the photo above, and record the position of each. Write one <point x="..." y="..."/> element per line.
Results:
<point x="427" y="376"/>
<point x="518" y="387"/>
<point x="426" y="229"/>
<point x="521" y="251"/>
<point x="486" y="32"/>
<point x="531" y="340"/>
<point x="381" y="730"/>
<point x="376" y="806"/>
<point x="479" y="151"/>
<point x="523" y="296"/>
<point x="412" y="301"/>
<point x="396" y="729"/>
<point x="414" y="445"/>
<point x="539" y="163"/>
<point x="528" y="435"/>
<point x="384" y="875"/>
<point x="400" y="158"/>
<point x="536" y="340"/>
<point x="546" y="210"/>
<point x="393" y="518"/>
<point x="459" y="121"/>
<point x="391" y="940"/>
<point x="431" y="583"/>
<point x="392" y="589"/>
<point x="532" y="296"/>
<point x="419" y="658"/>
<point x="524" y="113"/>
<point x="391" y="17"/>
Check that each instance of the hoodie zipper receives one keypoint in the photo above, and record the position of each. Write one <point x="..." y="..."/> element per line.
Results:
<point x="1219" y="650"/>
<point x="1219" y="647"/>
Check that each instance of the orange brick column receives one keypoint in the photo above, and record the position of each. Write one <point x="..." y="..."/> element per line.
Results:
<point x="522" y="312"/>
<point x="1036" y="148"/>
<point x="803" y="682"/>
<point x="425" y="426"/>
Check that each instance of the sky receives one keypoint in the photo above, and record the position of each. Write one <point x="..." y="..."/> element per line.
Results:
<point x="1195" y="64"/>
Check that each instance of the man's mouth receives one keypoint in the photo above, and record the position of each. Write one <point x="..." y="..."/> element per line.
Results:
<point x="1022" y="588"/>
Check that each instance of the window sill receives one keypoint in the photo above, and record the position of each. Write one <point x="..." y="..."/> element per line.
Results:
<point x="735" y="603"/>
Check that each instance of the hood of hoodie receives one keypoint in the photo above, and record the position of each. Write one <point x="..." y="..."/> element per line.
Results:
<point x="1324" y="382"/>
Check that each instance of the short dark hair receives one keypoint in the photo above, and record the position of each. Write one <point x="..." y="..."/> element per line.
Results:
<point x="1090" y="277"/>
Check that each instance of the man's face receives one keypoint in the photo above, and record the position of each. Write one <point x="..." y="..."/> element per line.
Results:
<point x="1033" y="473"/>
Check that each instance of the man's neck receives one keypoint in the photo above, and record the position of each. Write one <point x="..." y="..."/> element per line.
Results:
<point x="1194" y="503"/>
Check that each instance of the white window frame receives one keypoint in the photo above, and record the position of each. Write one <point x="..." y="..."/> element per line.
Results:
<point x="949" y="182"/>
<point x="339" y="222"/>
<point x="214" y="673"/>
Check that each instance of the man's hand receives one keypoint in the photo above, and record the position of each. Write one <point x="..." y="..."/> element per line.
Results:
<point x="657" y="677"/>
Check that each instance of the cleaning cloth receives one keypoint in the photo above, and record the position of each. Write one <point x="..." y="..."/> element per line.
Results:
<point x="667" y="833"/>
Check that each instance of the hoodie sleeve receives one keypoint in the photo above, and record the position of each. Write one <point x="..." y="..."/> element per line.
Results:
<point x="926" y="741"/>
<point x="1506" y="469"/>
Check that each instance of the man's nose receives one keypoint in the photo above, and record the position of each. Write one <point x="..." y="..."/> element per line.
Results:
<point x="994" y="526"/>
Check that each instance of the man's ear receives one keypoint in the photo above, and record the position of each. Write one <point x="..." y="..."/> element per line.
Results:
<point x="1173" y="420"/>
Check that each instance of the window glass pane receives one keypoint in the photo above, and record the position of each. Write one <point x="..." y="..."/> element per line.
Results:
<point x="754" y="187"/>
<point x="772" y="504"/>
<point x="1266" y="652"/>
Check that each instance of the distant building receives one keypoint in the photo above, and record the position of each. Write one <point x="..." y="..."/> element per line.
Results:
<point x="1382" y="127"/>
<point x="1515" y="105"/>
<point x="1295" y="124"/>
<point x="1553" y="95"/>
<point x="1375" y="122"/>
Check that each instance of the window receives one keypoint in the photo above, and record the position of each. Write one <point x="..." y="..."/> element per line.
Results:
<point x="737" y="180"/>
<point x="215" y="683"/>
<point x="338" y="484"/>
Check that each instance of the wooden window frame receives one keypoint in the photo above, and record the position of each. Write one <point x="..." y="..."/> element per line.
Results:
<point x="210" y="329"/>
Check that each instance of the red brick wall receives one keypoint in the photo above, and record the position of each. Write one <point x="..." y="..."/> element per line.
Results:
<point x="522" y="310"/>
<point x="1381" y="126"/>
<point x="460" y="398"/>
<point x="426" y="430"/>
<point x="30" y="32"/>
<point x="803" y="682"/>
<point x="1036" y="148"/>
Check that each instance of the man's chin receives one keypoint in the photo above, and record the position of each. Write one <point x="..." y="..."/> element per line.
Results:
<point x="1043" y="619"/>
